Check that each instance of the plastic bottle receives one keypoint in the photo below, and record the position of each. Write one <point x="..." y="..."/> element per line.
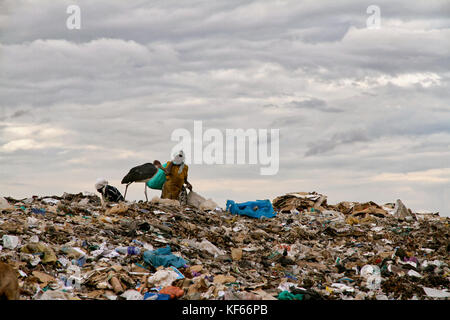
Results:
<point x="134" y="250"/>
<point x="123" y="250"/>
<point x="128" y="250"/>
<point x="79" y="262"/>
<point x="139" y="243"/>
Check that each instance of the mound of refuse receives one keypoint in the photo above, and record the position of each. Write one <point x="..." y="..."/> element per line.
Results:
<point x="70" y="247"/>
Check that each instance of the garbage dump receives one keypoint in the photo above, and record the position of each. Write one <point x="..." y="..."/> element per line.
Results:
<point x="70" y="247"/>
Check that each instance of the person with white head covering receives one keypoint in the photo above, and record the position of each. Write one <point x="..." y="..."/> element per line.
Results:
<point x="176" y="176"/>
<point x="109" y="193"/>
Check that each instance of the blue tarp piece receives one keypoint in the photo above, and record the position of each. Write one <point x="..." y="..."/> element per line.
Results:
<point x="163" y="257"/>
<point x="158" y="180"/>
<point x="254" y="209"/>
<point x="38" y="211"/>
<point x="156" y="296"/>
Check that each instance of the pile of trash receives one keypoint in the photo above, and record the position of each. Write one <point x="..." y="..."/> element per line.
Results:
<point x="296" y="202"/>
<point x="70" y="247"/>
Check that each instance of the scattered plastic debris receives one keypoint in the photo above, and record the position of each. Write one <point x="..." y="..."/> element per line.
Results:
<point x="72" y="248"/>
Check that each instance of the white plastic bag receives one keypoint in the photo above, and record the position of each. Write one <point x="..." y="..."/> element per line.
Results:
<point x="208" y="205"/>
<point x="162" y="278"/>
<point x="10" y="242"/>
<point x="194" y="199"/>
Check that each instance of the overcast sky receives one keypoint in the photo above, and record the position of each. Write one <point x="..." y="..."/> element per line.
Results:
<point x="363" y="113"/>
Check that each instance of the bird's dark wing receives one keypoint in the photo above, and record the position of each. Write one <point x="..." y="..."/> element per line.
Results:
<point x="112" y="194"/>
<point x="142" y="172"/>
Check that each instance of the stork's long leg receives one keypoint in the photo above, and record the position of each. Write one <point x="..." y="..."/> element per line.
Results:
<point x="146" y="198"/>
<point x="126" y="188"/>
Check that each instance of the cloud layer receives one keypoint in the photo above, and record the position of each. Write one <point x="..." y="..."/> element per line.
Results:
<point x="363" y="114"/>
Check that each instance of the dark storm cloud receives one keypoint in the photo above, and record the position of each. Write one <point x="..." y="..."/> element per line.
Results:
<point x="314" y="104"/>
<point x="336" y="140"/>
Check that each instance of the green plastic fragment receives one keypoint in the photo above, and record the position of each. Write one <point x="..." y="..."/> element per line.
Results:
<point x="286" y="295"/>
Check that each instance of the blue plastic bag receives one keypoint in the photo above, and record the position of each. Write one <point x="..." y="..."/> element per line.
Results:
<point x="38" y="211"/>
<point x="254" y="209"/>
<point x="156" y="296"/>
<point x="158" y="180"/>
<point x="163" y="257"/>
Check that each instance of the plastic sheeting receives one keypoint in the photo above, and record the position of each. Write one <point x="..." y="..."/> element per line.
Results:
<point x="163" y="257"/>
<point x="254" y="209"/>
<point x="158" y="180"/>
